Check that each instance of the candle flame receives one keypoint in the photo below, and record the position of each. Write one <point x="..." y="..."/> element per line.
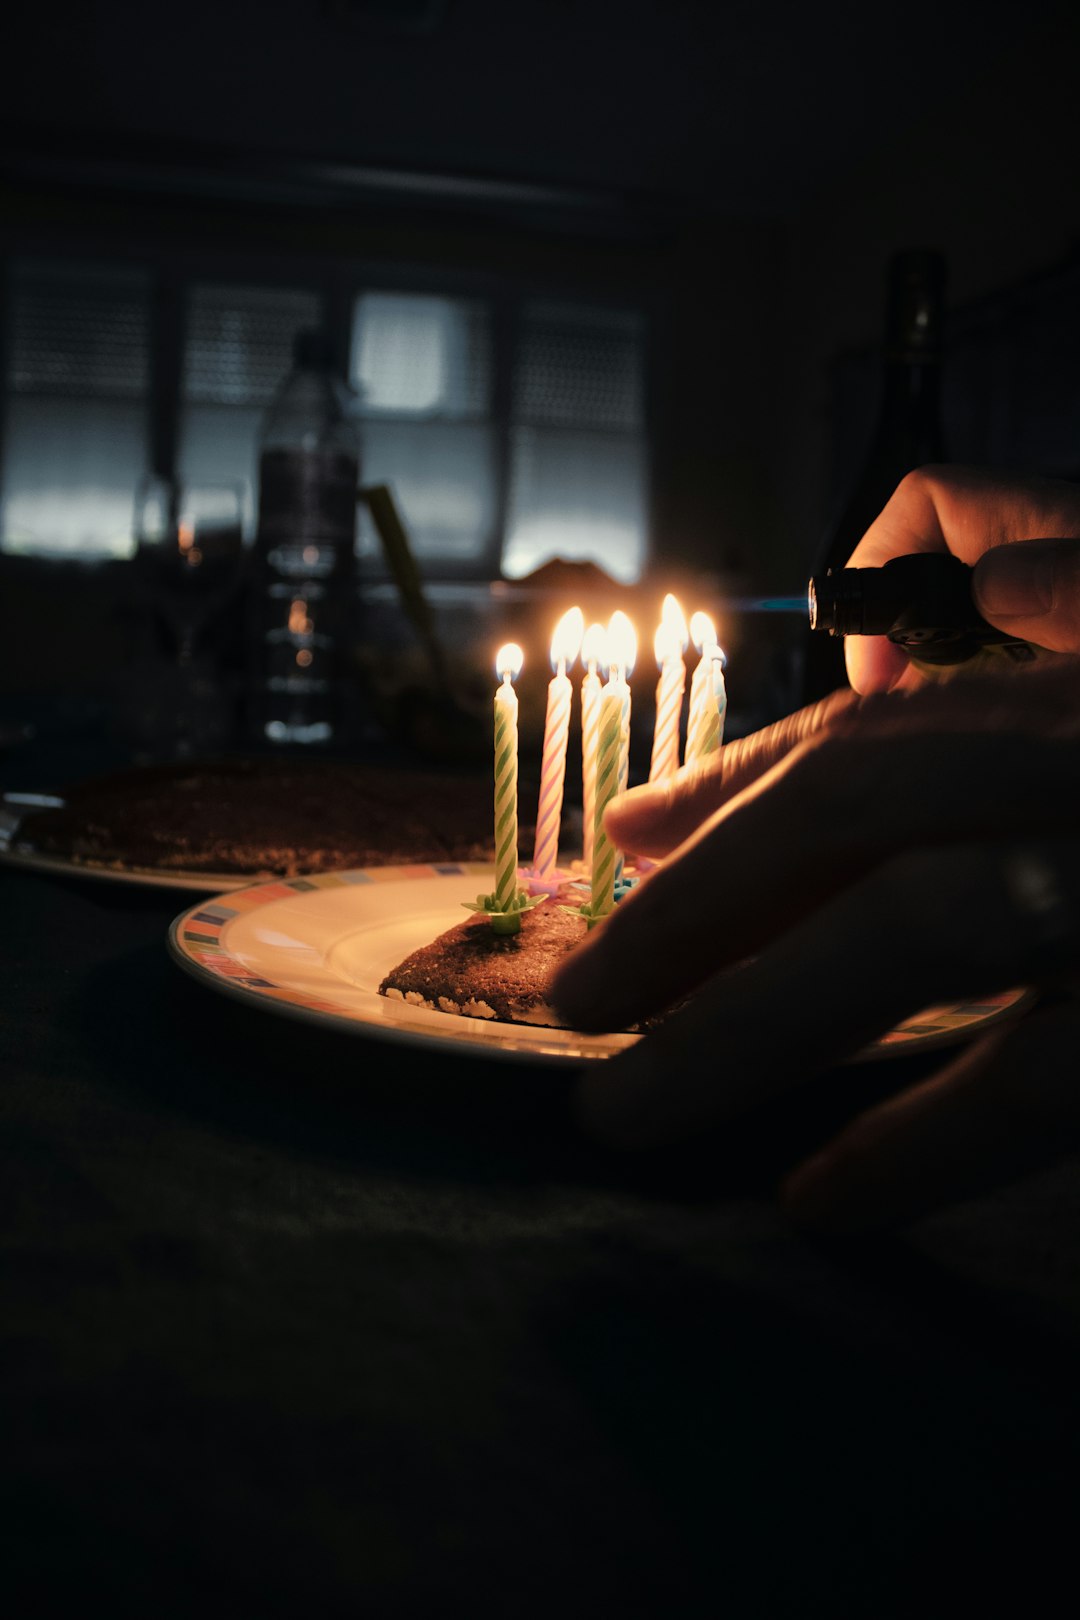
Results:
<point x="702" y="631"/>
<point x="566" y="642"/>
<point x="622" y="642"/>
<point x="594" y="649"/>
<point x="672" y="615"/>
<point x="666" y="644"/>
<point x="508" y="660"/>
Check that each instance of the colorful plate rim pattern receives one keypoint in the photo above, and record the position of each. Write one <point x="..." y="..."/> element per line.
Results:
<point x="198" y="940"/>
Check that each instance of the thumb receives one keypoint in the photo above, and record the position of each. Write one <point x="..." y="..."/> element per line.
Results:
<point x="1032" y="589"/>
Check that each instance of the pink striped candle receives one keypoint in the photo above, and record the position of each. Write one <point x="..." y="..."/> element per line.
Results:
<point x="564" y="649"/>
<point x="508" y="661"/>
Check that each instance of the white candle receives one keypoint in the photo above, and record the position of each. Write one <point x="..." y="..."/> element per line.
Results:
<point x="508" y="662"/>
<point x="593" y="654"/>
<point x="564" y="649"/>
<point x="669" y="644"/>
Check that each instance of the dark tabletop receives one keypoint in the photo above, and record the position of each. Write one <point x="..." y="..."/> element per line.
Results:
<point x="294" y="1326"/>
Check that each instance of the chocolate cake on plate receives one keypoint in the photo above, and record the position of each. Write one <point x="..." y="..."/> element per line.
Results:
<point x="472" y="971"/>
<point x="261" y="818"/>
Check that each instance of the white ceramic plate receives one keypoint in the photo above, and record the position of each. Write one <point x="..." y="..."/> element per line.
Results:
<point x="317" y="947"/>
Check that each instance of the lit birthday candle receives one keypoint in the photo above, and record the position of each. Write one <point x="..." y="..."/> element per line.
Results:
<point x="669" y="645"/>
<point x="622" y="645"/>
<point x="506" y="904"/>
<point x="718" y="658"/>
<point x="623" y="639"/>
<point x="701" y="630"/>
<point x="565" y="644"/>
<point x="593" y="654"/>
<point x="612" y="747"/>
<point x="708" y="692"/>
<point x="508" y="662"/>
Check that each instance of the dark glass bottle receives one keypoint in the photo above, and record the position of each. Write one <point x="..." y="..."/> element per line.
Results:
<point x="302" y="598"/>
<point x="907" y="434"/>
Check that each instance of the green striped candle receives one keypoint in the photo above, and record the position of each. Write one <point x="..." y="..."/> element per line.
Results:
<point x="594" y="654"/>
<point x="608" y="761"/>
<point x="705" y="724"/>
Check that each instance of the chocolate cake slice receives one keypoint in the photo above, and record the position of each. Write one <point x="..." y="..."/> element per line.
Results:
<point x="266" y="817"/>
<point x="471" y="971"/>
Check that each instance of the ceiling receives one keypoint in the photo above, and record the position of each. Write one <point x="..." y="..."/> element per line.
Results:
<point x="744" y="107"/>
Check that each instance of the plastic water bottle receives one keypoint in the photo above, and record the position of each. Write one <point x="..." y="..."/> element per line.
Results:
<point x="303" y="596"/>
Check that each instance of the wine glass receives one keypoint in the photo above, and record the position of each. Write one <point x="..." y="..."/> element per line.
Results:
<point x="189" y="557"/>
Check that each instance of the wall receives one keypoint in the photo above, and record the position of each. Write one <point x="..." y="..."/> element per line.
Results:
<point x="990" y="178"/>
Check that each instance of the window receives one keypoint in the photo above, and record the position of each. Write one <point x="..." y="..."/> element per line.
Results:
<point x="511" y="429"/>
<point x="577" y="484"/>
<point x="422" y="370"/>
<point x="573" y="458"/>
<point x="76" y="427"/>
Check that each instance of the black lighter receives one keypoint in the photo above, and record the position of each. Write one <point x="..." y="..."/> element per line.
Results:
<point x="921" y="601"/>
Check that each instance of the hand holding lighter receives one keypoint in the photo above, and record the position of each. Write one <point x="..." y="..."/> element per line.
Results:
<point x="921" y="601"/>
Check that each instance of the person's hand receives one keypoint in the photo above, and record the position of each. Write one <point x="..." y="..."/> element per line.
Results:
<point x="831" y="877"/>
<point x="1022" y="537"/>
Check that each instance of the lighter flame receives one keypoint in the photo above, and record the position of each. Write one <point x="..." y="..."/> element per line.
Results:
<point x="622" y="643"/>
<point x="566" y="642"/>
<point x="508" y="661"/>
